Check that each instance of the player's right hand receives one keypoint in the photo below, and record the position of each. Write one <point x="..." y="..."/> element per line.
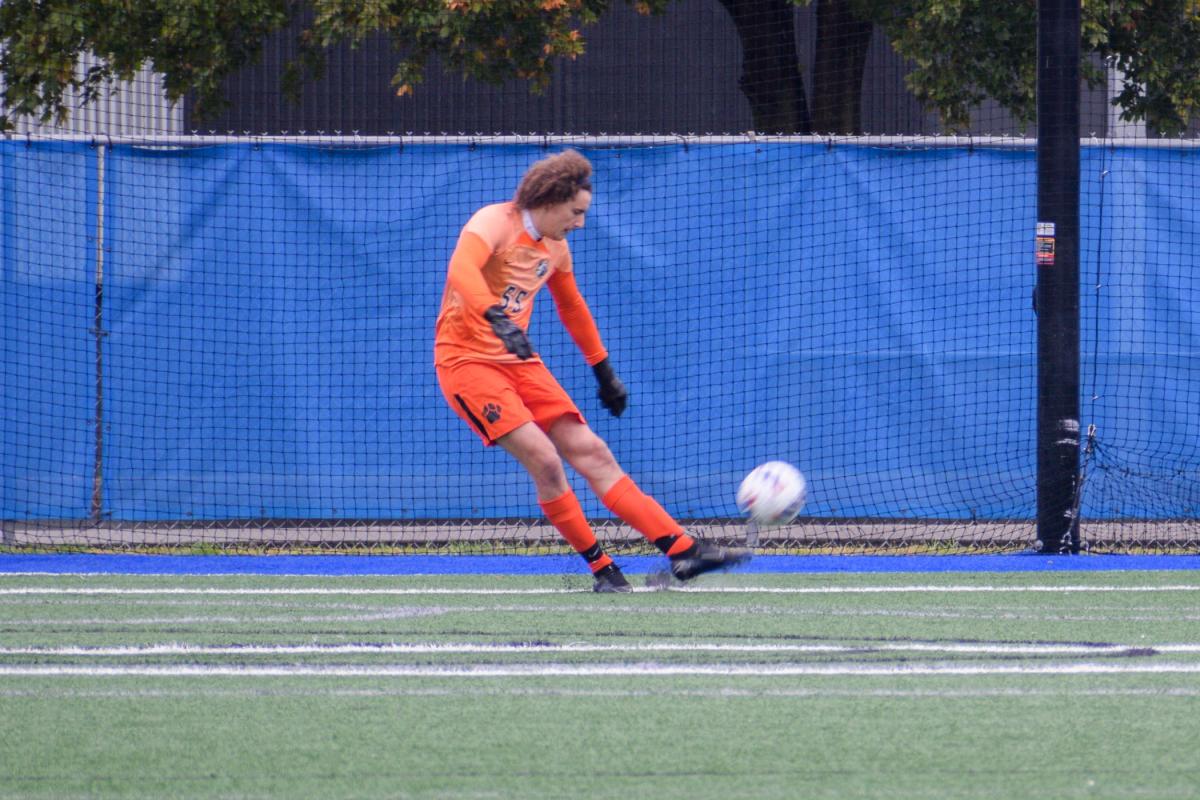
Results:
<point x="507" y="331"/>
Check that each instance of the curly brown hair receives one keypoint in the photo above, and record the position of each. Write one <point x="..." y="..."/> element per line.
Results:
<point x="554" y="179"/>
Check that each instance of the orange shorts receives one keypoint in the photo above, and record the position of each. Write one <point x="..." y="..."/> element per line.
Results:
<point x="495" y="399"/>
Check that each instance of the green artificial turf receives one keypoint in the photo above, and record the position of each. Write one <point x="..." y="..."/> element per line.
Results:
<point x="1027" y="723"/>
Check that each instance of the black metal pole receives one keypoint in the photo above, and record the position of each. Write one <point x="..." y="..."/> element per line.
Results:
<point x="97" y="505"/>
<point x="1057" y="298"/>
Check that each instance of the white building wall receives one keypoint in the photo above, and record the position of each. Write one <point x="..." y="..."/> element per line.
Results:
<point x="130" y="108"/>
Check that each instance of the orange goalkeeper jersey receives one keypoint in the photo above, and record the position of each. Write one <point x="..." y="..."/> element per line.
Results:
<point x="497" y="262"/>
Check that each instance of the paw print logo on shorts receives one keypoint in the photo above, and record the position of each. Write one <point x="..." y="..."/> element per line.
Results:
<point x="491" y="412"/>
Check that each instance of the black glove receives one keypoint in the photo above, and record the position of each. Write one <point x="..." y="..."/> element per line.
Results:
<point x="507" y="331"/>
<point x="613" y="395"/>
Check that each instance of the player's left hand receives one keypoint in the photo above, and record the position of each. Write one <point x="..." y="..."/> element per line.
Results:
<point x="613" y="394"/>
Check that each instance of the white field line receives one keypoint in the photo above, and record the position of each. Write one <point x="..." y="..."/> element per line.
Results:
<point x="592" y="670"/>
<point x="468" y="592"/>
<point x="923" y="589"/>
<point x="393" y="648"/>
<point x="724" y="692"/>
<point x="370" y="604"/>
<point x="404" y="613"/>
<point x="310" y="590"/>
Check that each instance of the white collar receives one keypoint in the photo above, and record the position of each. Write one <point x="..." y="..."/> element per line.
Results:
<point x="530" y="228"/>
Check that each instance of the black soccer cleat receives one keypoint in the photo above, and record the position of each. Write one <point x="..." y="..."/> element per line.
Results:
<point x="610" y="580"/>
<point x="703" y="557"/>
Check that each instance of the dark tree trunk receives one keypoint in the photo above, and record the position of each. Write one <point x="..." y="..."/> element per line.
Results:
<point x="842" y="43"/>
<point x="771" y="77"/>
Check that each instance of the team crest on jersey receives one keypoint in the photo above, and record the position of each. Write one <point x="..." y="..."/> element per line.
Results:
<point x="543" y="267"/>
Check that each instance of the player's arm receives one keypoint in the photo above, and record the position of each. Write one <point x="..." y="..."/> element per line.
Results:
<point x="577" y="318"/>
<point x="466" y="278"/>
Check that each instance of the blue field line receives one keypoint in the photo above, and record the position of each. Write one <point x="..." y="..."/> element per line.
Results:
<point x="334" y="565"/>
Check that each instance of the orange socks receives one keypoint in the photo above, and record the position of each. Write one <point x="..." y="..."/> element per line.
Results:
<point x="646" y="516"/>
<point x="627" y="501"/>
<point x="566" y="515"/>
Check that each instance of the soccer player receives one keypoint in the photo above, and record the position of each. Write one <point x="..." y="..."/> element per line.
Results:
<point x="496" y="382"/>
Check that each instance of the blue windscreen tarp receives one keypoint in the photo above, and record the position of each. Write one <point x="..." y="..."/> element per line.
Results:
<point x="48" y="196"/>
<point x="863" y="313"/>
